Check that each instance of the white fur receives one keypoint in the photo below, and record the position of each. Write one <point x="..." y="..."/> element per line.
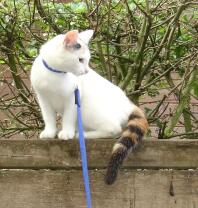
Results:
<point x="117" y="146"/>
<point x="105" y="107"/>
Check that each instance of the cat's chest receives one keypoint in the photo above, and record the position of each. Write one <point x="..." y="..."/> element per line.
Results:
<point x="57" y="90"/>
<point x="53" y="87"/>
<point x="55" y="84"/>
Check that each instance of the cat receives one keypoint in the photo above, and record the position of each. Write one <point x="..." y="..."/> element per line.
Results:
<point x="61" y="66"/>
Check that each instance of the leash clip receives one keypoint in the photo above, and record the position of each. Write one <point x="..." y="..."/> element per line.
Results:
<point x="77" y="97"/>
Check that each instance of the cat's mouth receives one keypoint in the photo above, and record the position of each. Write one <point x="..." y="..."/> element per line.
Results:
<point x="82" y="73"/>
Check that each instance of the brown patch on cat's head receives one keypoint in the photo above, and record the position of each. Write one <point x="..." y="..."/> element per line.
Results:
<point x="71" y="38"/>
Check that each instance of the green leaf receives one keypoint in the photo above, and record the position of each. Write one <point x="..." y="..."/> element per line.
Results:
<point x="195" y="88"/>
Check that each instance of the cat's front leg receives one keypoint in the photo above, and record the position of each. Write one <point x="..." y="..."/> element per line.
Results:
<point x="49" y="117"/>
<point x="68" y="121"/>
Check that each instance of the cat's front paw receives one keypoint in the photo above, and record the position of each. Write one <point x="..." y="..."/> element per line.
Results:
<point x="63" y="134"/>
<point x="48" y="134"/>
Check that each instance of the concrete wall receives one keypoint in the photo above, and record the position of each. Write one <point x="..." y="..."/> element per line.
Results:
<point x="47" y="174"/>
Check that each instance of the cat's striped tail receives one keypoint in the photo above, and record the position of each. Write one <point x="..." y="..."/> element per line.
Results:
<point x="137" y="127"/>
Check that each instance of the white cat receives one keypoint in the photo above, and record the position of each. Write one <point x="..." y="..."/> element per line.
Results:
<point x="62" y="65"/>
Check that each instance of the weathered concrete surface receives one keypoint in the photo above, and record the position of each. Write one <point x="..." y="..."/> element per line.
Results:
<point x="56" y="181"/>
<point x="56" y="154"/>
<point x="64" y="189"/>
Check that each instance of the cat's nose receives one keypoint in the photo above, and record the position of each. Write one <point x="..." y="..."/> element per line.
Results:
<point x="86" y="71"/>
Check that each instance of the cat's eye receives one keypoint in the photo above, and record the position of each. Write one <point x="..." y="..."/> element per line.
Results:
<point x="81" y="60"/>
<point x="77" y="46"/>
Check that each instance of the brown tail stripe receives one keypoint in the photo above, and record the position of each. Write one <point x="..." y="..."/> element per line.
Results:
<point x="137" y="130"/>
<point x="114" y="163"/>
<point x="134" y="116"/>
<point x="127" y="142"/>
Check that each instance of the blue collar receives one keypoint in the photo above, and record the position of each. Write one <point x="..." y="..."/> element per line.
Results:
<point x="51" y="69"/>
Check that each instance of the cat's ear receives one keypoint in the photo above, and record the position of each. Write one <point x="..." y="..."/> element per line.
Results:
<point x="71" y="38"/>
<point x="86" y="35"/>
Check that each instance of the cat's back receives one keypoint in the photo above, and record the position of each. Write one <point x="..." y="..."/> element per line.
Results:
<point x="103" y="93"/>
<point x="95" y="84"/>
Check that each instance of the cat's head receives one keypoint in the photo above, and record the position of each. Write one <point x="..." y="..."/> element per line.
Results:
<point x="69" y="52"/>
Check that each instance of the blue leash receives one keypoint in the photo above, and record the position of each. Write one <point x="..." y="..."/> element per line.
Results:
<point x="81" y="138"/>
<point x="83" y="149"/>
